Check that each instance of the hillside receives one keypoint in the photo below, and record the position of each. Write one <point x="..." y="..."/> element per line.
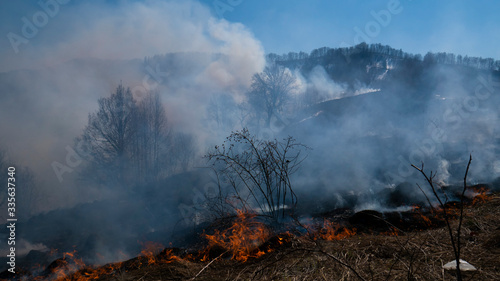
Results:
<point x="365" y="114"/>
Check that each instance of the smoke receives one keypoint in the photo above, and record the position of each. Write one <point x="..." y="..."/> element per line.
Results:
<point x="87" y="49"/>
<point x="24" y="247"/>
<point x="130" y="30"/>
<point x="442" y="172"/>
<point x="364" y="130"/>
<point x="83" y="54"/>
<point x="364" y="143"/>
<point x="323" y="86"/>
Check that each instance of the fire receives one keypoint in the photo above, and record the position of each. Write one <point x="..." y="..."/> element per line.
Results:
<point x="419" y="215"/>
<point x="393" y="232"/>
<point x="427" y="221"/>
<point x="150" y="251"/>
<point x="67" y="265"/>
<point x="481" y="195"/>
<point x="246" y="238"/>
<point x="88" y="273"/>
<point x="71" y="267"/>
<point x="168" y="256"/>
<point x="242" y="239"/>
<point x="332" y="231"/>
<point x="284" y="238"/>
<point x="64" y="267"/>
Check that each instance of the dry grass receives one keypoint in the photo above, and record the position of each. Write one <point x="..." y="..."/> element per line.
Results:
<point x="409" y="256"/>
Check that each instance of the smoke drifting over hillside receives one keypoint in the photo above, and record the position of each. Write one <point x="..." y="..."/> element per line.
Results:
<point x="53" y="84"/>
<point x="435" y="114"/>
<point x="367" y="112"/>
<point x="66" y="69"/>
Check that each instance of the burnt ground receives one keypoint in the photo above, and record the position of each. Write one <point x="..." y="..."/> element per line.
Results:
<point x="378" y="251"/>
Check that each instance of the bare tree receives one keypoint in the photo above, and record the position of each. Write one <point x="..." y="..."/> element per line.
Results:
<point x="181" y="153"/>
<point x="455" y="241"/>
<point x="259" y="170"/>
<point x="129" y="142"/>
<point x="221" y="111"/>
<point x="270" y="91"/>
<point x="110" y="136"/>
<point x="152" y="137"/>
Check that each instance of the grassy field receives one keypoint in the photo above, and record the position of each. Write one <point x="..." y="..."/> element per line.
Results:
<point x="398" y="255"/>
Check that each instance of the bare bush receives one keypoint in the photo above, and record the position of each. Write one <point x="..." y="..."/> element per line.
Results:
<point x="455" y="241"/>
<point x="259" y="171"/>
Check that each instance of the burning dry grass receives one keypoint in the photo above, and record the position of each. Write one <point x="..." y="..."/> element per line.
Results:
<point x="242" y="239"/>
<point x="331" y="231"/>
<point x="247" y="251"/>
<point x="417" y="255"/>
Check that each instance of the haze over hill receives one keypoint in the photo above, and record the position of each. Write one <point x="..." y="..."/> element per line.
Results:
<point x="403" y="98"/>
<point x="366" y="112"/>
<point x="170" y="81"/>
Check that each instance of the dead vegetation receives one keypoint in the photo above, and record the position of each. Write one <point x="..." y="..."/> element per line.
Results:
<point x="413" y="255"/>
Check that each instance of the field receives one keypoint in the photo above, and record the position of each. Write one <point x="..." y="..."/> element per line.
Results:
<point x="328" y="254"/>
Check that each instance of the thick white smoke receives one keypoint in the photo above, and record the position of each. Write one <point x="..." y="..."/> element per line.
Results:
<point x="87" y="49"/>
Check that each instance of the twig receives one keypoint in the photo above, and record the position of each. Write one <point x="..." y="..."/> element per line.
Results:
<point x="342" y="263"/>
<point x="455" y="245"/>
<point x="275" y="261"/>
<point x="320" y="250"/>
<point x="427" y="198"/>
<point x="462" y="211"/>
<point x="205" y="267"/>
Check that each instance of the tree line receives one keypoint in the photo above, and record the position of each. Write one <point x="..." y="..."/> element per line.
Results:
<point x="379" y="49"/>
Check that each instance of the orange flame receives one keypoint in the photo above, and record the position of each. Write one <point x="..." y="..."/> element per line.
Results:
<point x="481" y="195"/>
<point x="242" y="239"/>
<point x="150" y="251"/>
<point x="393" y="232"/>
<point x="246" y="238"/>
<point x="332" y="231"/>
<point x="427" y="221"/>
<point x="415" y="208"/>
<point x="67" y="265"/>
<point x="73" y="268"/>
<point x="95" y="273"/>
<point x="169" y="256"/>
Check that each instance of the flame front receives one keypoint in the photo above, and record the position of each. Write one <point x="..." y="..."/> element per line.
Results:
<point x="332" y="231"/>
<point x="150" y="250"/>
<point x="246" y="238"/>
<point x="242" y="239"/>
<point x="481" y="195"/>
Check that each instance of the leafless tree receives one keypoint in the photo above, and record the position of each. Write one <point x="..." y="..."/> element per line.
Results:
<point x="129" y="142"/>
<point x="182" y="152"/>
<point x="270" y="91"/>
<point x="110" y="135"/>
<point x="259" y="171"/>
<point x="152" y="135"/>
<point x="221" y="111"/>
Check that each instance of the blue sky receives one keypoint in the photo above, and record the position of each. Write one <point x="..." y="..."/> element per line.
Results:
<point x="461" y="27"/>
